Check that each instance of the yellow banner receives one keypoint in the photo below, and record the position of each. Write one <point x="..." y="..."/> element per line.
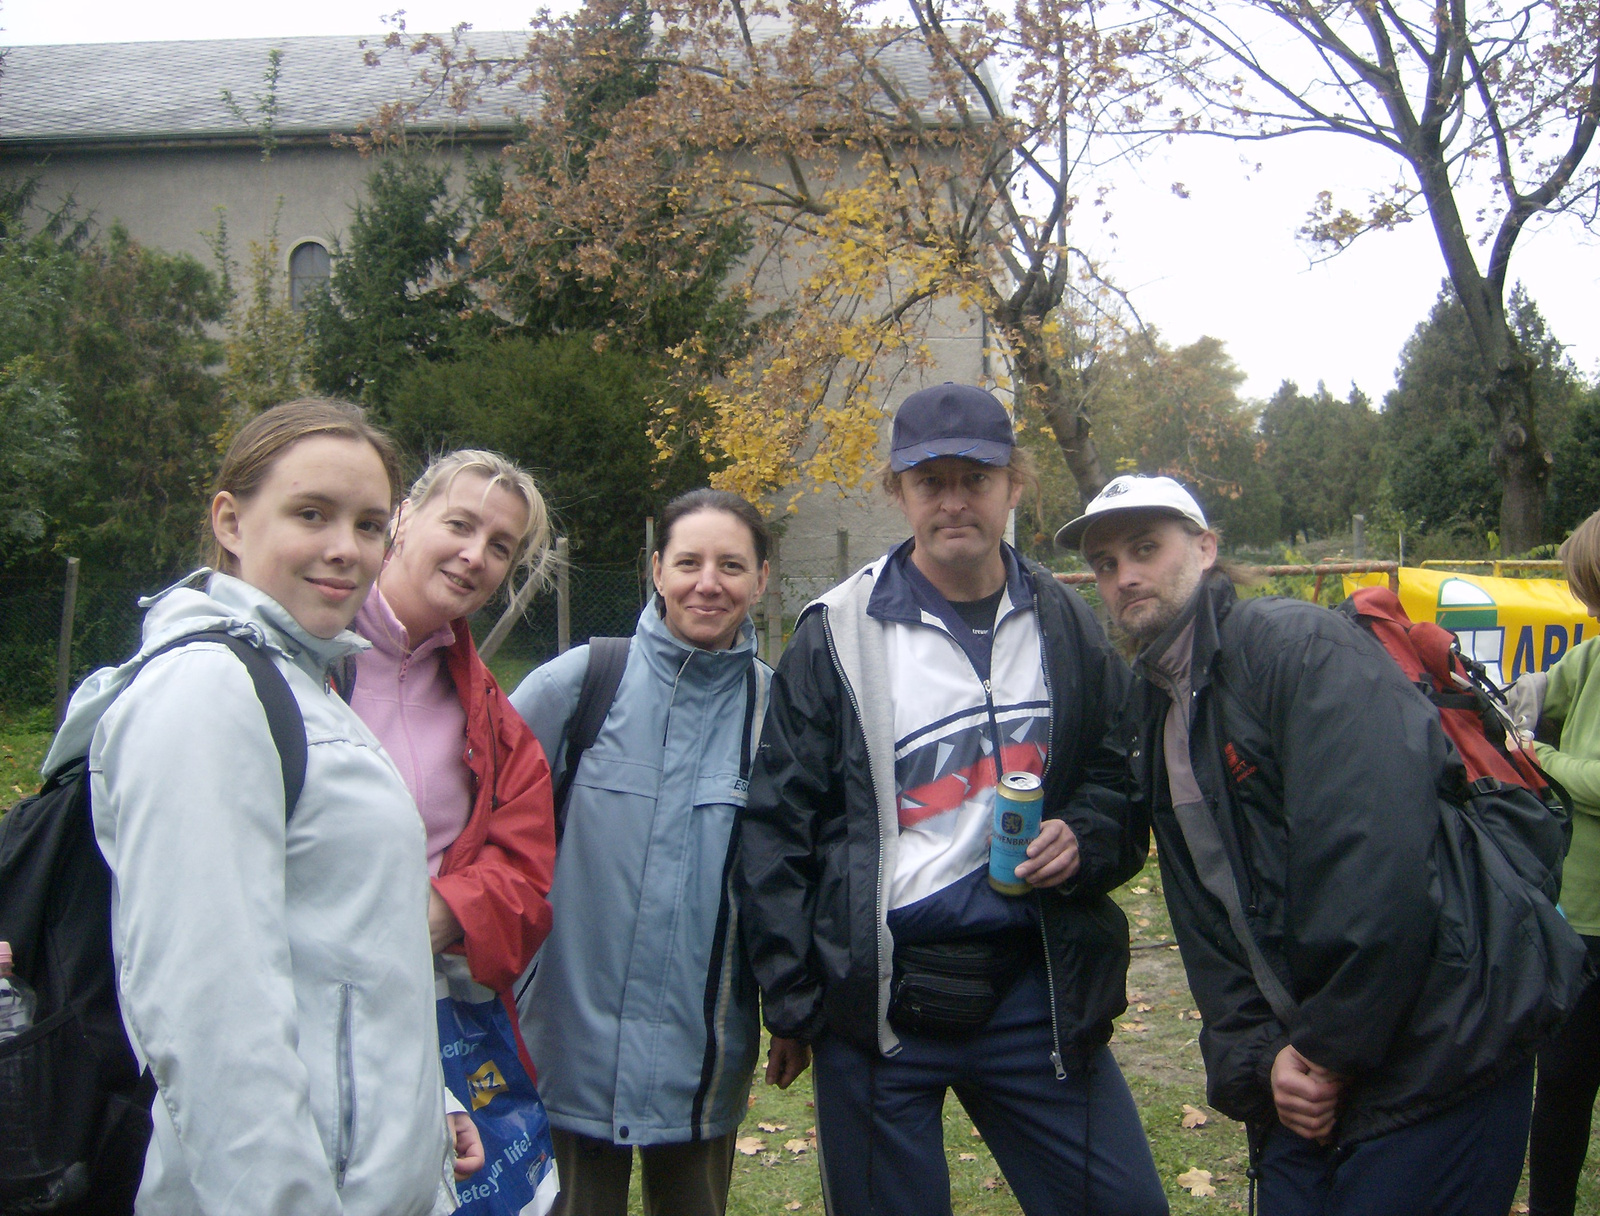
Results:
<point x="1510" y="625"/>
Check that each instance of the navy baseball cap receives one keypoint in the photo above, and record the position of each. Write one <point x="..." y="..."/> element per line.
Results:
<point x="950" y="420"/>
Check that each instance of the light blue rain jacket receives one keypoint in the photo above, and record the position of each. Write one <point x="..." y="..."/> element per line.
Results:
<point x="641" y="1014"/>
<point x="275" y="973"/>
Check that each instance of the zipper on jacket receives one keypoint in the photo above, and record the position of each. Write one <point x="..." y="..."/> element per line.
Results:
<point x="346" y="1065"/>
<point x="994" y="738"/>
<point x="672" y="697"/>
<point x="1050" y="987"/>
<point x="1044" y="777"/>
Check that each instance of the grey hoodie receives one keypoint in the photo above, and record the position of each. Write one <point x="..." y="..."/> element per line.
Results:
<point x="276" y="980"/>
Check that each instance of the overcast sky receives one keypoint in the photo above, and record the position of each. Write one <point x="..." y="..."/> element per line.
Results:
<point x="1223" y="262"/>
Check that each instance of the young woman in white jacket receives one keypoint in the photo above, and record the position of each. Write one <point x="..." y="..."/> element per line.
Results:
<point x="274" y="971"/>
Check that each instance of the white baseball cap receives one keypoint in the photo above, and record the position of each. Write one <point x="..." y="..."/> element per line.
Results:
<point x="1133" y="492"/>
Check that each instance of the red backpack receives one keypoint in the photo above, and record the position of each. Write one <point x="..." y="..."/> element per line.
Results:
<point x="1471" y="709"/>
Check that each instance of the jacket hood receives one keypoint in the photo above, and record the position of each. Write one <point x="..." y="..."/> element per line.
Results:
<point x="204" y="601"/>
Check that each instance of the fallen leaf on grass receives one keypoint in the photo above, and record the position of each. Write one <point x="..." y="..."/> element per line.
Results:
<point x="1193" y="1116"/>
<point x="772" y="1127"/>
<point x="771" y="1158"/>
<point x="976" y="1134"/>
<point x="797" y="1146"/>
<point x="1143" y="922"/>
<point x="1133" y="1024"/>
<point x="1519" y="1209"/>
<point x="966" y="1156"/>
<point x="1136" y="996"/>
<point x="750" y="1102"/>
<point x="991" y="1183"/>
<point x="1197" y="1183"/>
<point x="812" y="1132"/>
<point x="792" y="1207"/>
<point x="749" y="1145"/>
<point x="1141" y="890"/>
<point x="1141" y="1007"/>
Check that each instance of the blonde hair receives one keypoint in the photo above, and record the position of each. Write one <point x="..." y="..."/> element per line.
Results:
<point x="256" y="448"/>
<point x="535" y="549"/>
<point x="1580" y="555"/>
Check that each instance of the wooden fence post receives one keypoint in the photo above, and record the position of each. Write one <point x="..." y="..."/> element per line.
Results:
<point x="69" y="607"/>
<point x="563" y="598"/>
<point x="842" y="556"/>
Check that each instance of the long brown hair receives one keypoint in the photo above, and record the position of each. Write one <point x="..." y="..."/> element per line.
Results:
<point x="259" y="443"/>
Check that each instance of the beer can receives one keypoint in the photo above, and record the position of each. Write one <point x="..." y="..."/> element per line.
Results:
<point x="1018" y="802"/>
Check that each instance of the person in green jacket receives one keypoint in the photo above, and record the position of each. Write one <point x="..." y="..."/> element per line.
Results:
<point x="1569" y="1066"/>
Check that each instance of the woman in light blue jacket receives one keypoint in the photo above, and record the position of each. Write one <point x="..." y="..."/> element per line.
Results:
<point x="641" y="1013"/>
<point x="273" y="966"/>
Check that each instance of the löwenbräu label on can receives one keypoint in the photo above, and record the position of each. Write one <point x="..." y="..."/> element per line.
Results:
<point x="1018" y="801"/>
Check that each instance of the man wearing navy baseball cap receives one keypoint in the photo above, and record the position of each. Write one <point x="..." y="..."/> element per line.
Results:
<point x="905" y="694"/>
<point x="1362" y="1014"/>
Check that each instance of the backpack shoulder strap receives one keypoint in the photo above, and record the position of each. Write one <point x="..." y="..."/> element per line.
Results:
<point x="1216" y="874"/>
<point x="601" y="678"/>
<point x="284" y="719"/>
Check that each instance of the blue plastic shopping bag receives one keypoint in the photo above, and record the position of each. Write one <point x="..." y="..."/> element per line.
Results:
<point x="483" y="1071"/>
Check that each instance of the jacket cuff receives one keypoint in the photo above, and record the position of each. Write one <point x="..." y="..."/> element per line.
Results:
<point x="1272" y="1045"/>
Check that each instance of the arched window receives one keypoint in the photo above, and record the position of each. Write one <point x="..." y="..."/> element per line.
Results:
<point x="309" y="267"/>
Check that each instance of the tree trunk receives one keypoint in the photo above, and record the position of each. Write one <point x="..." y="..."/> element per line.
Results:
<point x="1519" y="458"/>
<point x="1065" y="409"/>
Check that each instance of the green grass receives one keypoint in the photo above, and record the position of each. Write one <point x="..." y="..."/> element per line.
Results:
<point x="24" y="739"/>
<point x="1156" y="1045"/>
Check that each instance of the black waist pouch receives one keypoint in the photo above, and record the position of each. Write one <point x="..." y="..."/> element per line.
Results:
<point x="950" y="990"/>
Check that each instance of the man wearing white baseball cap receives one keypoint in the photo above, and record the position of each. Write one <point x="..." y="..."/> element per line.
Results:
<point x="1375" y="1039"/>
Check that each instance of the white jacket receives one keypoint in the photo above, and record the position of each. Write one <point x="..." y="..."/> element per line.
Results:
<point x="276" y="980"/>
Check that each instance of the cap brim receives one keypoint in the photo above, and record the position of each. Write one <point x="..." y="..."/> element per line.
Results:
<point x="1070" y="535"/>
<point x="984" y="451"/>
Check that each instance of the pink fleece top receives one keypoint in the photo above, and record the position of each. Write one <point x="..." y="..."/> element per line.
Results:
<point x="404" y="693"/>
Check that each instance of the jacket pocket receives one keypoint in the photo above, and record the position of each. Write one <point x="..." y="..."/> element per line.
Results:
<point x="345" y="1066"/>
<point x="616" y="775"/>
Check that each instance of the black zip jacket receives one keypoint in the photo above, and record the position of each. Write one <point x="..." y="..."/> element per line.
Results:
<point x="1324" y="767"/>
<point x="811" y="891"/>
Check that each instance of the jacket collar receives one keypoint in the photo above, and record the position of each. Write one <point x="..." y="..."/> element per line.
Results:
<point x="904" y="595"/>
<point x="1205" y="612"/>
<point x="379" y="625"/>
<point x="673" y="659"/>
<point x="225" y="603"/>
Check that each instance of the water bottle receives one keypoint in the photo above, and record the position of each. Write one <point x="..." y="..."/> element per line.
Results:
<point x="17" y="1001"/>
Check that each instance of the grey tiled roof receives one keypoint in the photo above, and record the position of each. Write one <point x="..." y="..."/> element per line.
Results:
<point x="173" y="90"/>
<point x="166" y="91"/>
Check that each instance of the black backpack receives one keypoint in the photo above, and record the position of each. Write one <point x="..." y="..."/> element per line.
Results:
<point x="608" y="657"/>
<point x="74" y="1106"/>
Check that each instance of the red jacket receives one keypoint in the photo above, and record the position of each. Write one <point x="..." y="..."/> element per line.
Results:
<point x="496" y="876"/>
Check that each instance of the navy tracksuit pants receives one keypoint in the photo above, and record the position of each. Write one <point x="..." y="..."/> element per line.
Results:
<point x="1464" y="1161"/>
<point x="1067" y="1147"/>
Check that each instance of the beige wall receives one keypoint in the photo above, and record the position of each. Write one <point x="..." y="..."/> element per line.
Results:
<point x="168" y="199"/>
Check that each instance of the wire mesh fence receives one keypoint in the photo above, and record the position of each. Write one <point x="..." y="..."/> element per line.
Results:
<point x="107" y="620"/>
<point x="604" y="603"/>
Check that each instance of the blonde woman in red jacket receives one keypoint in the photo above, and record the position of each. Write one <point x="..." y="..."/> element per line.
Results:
<point x="478" y="774"/>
